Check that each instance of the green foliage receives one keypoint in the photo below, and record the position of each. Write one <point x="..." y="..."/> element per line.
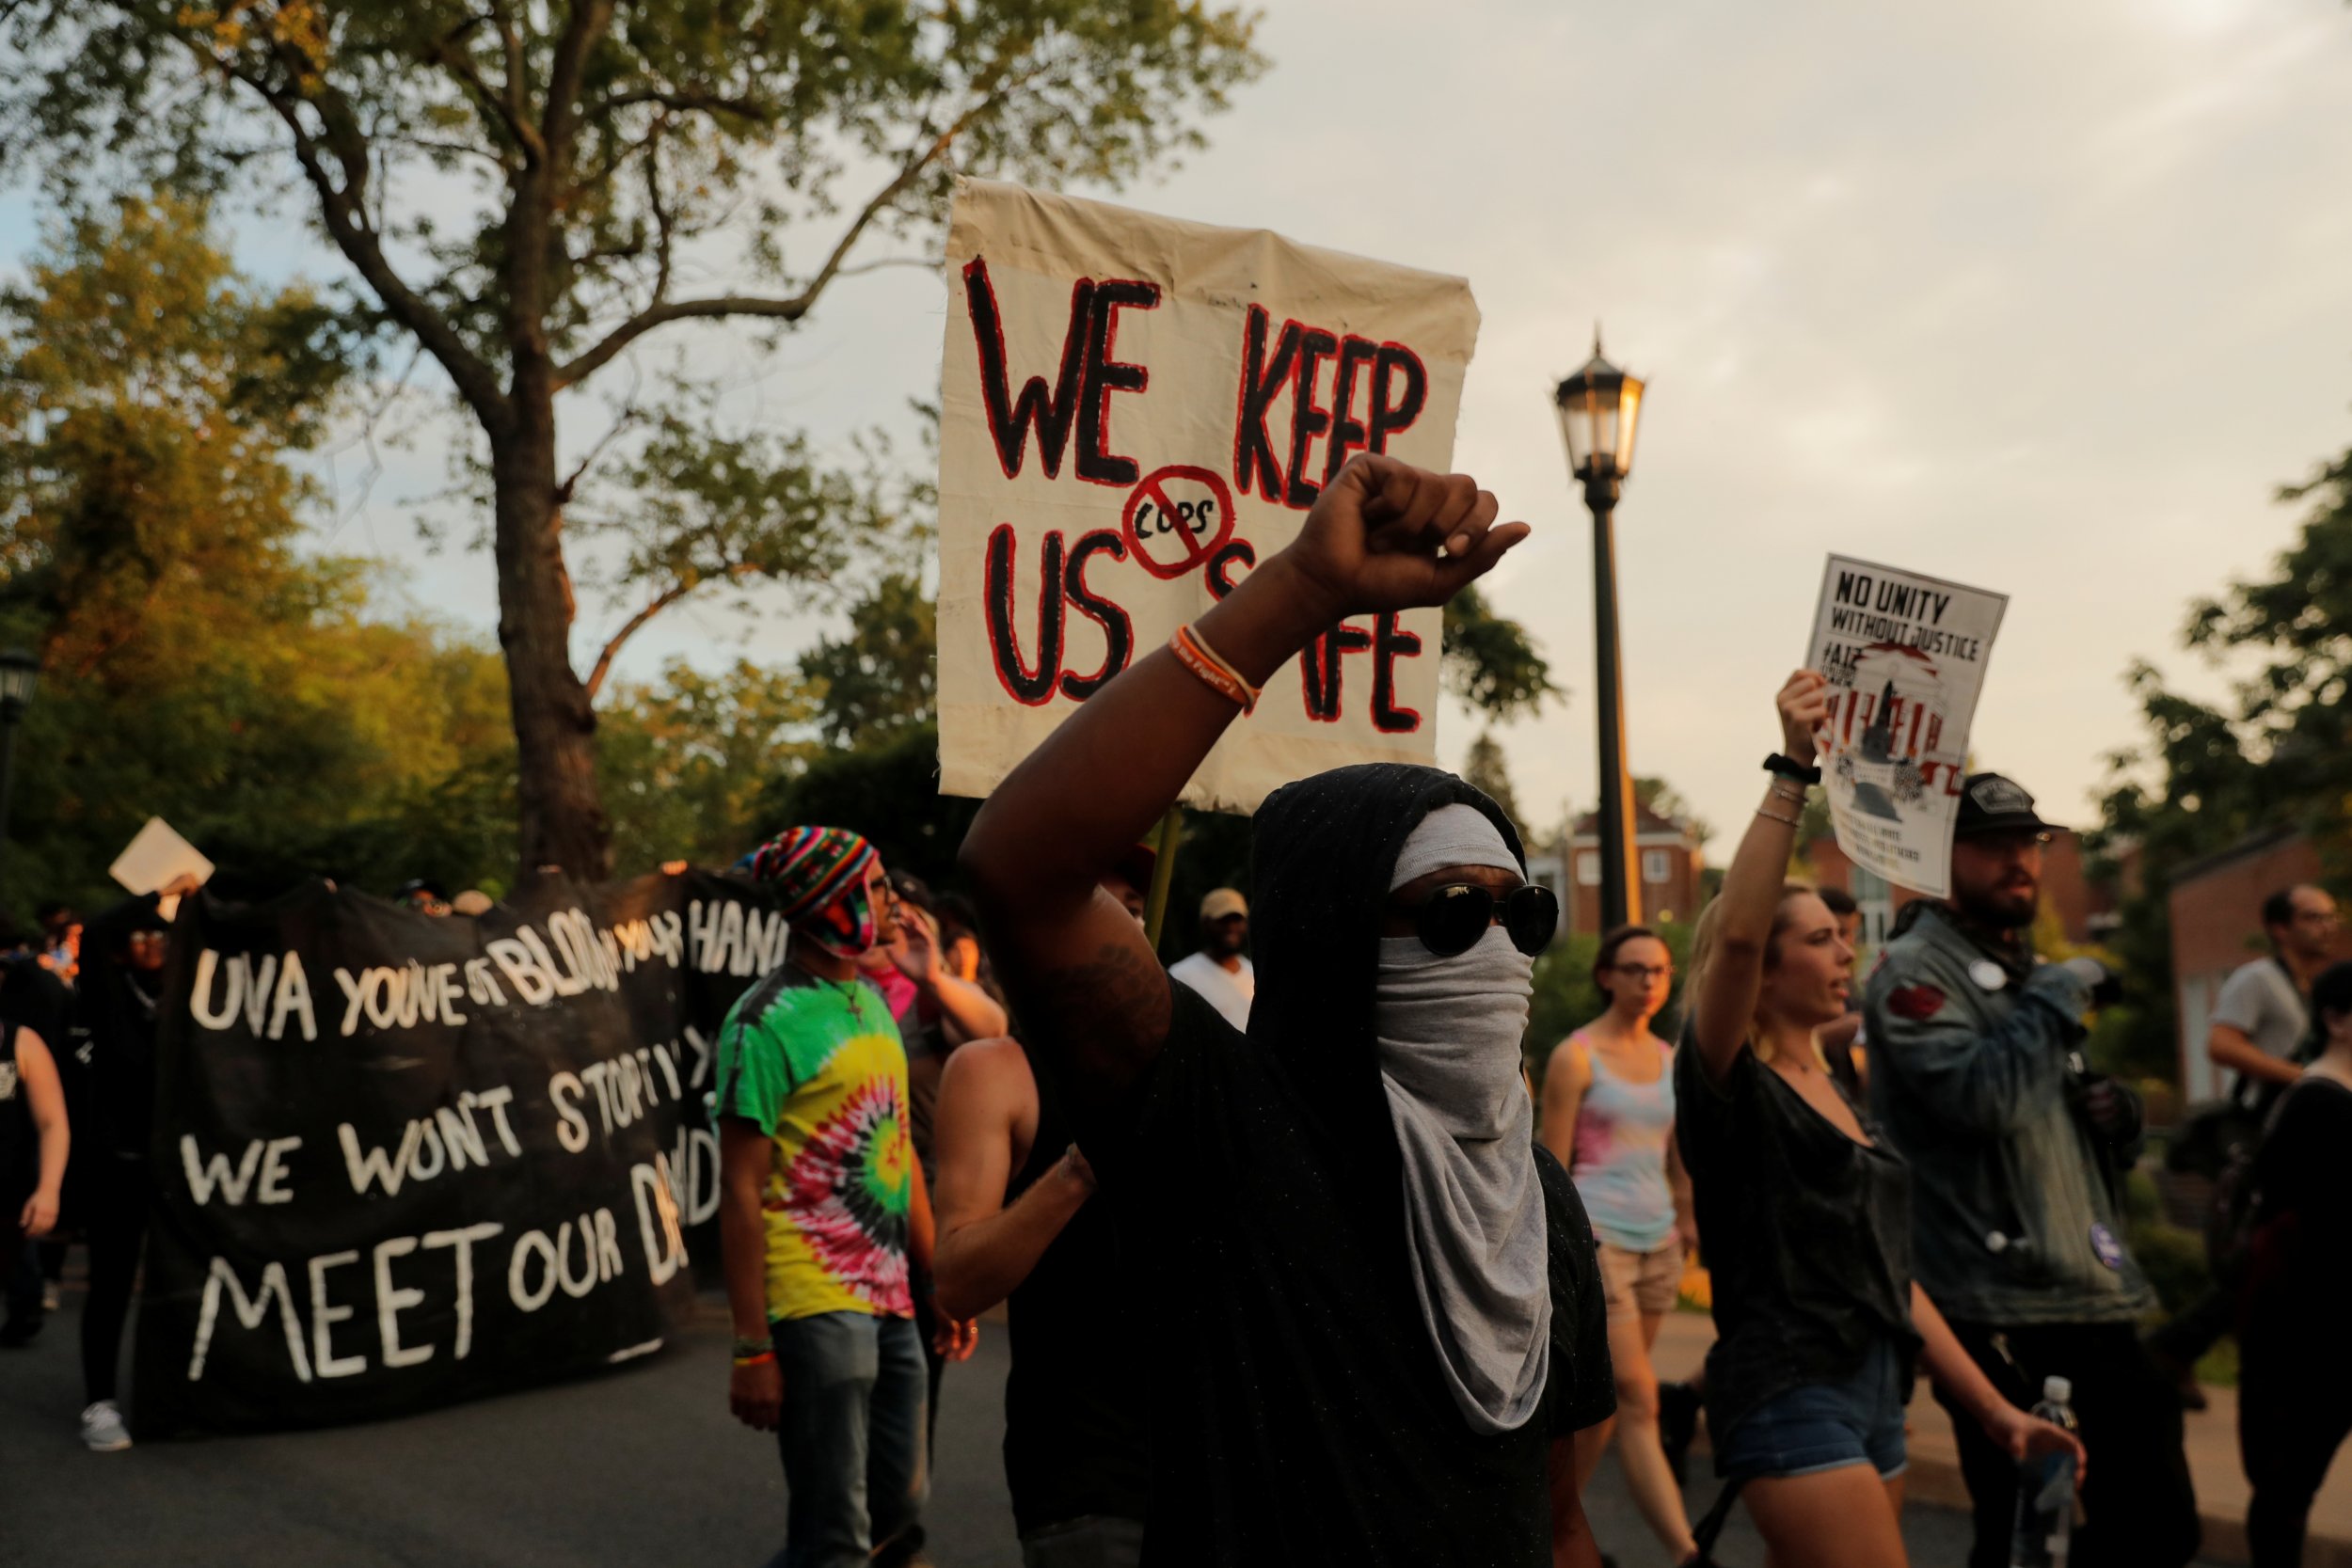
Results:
<point x="2277" y="752"/>
<point x="1483" y="767"/>
<point x="889" y="792"/>
<point x="198" y="663"/>
<point x="880" y="680"/>
<point x="528" y="192"/>
<point x="687" y="761"/>
<point x="1658" y="796"/>
<point x="1491" y="662"/>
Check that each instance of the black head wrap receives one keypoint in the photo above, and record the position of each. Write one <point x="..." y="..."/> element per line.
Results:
<point x="1324" y="849"/>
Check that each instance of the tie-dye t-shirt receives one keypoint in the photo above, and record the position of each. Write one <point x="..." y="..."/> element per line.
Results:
<point x="817" y="1066"/>
<point x="1622" y="1127"/>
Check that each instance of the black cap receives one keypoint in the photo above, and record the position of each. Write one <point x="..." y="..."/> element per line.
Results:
<point x="1989" y="803"/>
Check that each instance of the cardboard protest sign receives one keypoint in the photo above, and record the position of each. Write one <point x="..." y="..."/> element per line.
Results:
<point x="402" y="1160"/>
<point x="155" y="855"/>
<point x="1135" y="411"/>
<point x="1908" y="654"/>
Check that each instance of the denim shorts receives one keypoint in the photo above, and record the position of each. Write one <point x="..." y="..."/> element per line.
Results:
<point x="1823" y="1426"/>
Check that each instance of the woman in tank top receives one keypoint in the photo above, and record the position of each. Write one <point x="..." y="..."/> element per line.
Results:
<point x="1609" y="1113"/>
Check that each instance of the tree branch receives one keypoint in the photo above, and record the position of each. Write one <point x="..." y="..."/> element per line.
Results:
<point x="629" y="628"/>
<point x="501" y="110"/>
<point x="627" y="418"/>
<point x="660" y="315"/>
<point x="662" y="312"/>
<point x="692" y="103"/>
<point x="636" y="624"/>
<point x="340" y="211"/>
<point x="589" y="21"/>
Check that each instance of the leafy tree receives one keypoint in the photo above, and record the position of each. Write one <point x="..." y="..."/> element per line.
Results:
<point x="1658" y="796"/>
<point x="881" y="679"/>
<point x="528" y="192"/>
<point x="1491" y="662"/>
<point x="687" y="762"/>
<point x="888" y="791"/>
<point x="198" y="665"/>
<point x="1483" y="767"/>
<point x="2278" y="752"/>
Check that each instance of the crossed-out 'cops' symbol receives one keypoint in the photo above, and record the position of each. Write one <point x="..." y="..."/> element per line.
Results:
<point x="1176" y="519"/>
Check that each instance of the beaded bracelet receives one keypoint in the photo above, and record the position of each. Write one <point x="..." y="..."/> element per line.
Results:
<point x="1219" y="676"/>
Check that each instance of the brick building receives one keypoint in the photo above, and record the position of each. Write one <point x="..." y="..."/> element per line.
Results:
<point x="1666" y="857"/>
<point x="2216" y="908"/>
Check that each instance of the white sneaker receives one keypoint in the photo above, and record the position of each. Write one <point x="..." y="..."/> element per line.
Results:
<point x="103" y="1430"/>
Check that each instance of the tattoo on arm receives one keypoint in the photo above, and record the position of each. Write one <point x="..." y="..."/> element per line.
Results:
<point x="1107" y="1017"/>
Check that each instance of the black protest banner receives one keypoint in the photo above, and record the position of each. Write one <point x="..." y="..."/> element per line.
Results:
<point x="403" y="1161"/>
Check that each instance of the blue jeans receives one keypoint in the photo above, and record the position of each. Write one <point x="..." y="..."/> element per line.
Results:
<point x="851" y="1436"/>
<point x="1824" y="1426"/>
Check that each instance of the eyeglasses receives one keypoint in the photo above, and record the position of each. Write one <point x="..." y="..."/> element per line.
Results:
<point x="1452" y="918"/>
<point x="1644" y="972"/>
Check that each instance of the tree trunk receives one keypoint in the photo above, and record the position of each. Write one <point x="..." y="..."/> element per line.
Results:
<point x="562" y="821"/>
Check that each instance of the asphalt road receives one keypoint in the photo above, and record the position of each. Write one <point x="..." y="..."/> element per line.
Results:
<point x="639" y="1466"/>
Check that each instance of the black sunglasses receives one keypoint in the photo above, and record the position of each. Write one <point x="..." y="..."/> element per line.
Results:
<point x="1452" y="918"/>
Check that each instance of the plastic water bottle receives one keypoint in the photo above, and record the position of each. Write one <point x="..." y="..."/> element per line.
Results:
<point x="2045" y="1489"/>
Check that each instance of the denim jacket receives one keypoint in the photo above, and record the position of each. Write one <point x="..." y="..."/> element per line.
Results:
<point x="1970" y="1062"/>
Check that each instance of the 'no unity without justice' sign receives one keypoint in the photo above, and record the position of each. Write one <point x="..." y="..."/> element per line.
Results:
<point x="1134" y="412"/>
<point x="403" y="1161"/>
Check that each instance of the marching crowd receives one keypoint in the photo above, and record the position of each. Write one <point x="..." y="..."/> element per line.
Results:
<point x="1298" y="1268"/>
<point x="1394" y="1308"/>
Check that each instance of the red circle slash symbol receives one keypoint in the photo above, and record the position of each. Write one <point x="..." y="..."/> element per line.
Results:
<point x="1176" y="519"/>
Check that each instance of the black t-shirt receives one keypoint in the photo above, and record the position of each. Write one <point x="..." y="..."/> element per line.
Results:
<point x="116" y="1004"/>
<point x="1298" y="1413"/>
<point x="1075" y="1442"/>
<point x="1807" y="1235"/>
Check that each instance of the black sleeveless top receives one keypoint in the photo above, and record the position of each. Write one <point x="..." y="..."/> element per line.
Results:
<point x="1074" y="1401"/>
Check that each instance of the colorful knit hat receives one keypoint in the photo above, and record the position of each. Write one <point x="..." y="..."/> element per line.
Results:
<point x="820" y="875"/>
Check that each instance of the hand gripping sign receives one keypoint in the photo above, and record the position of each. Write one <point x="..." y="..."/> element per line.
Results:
<point x="1906" y="654"/>
<point x="1134" y="412"/>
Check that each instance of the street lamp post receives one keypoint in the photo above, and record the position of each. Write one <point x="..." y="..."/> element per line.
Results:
<point x="20" y="672"/>
<point x="1598" y="407"/>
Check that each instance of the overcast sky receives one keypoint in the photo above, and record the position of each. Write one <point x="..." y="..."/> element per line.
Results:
<point x="2044" y="300"/>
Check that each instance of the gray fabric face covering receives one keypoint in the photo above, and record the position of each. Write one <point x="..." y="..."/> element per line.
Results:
<point x="1448" y="1034"/>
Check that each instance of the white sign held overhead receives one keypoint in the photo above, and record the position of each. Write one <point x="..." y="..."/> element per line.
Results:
<point x="1906" y="656"/>
<point x="1135" y="411"/>
<point x="155" y="857"/>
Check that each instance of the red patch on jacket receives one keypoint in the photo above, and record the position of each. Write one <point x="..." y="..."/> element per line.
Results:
<point x="1916" y="1003"/>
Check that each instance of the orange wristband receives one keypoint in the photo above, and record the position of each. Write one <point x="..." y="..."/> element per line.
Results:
<point x="760" y="1360"/>
<point x="1219" y="676"/>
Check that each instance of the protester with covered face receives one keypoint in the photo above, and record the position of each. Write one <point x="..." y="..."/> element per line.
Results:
<point x="1807" y="1215"/>
<point x="1019" y="1223"/>
<point x="824" y="1222"/>
<point x="1977" y="1072"/>
<point x="1371" y="1301"/>
<point x="1220" y="969"/>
